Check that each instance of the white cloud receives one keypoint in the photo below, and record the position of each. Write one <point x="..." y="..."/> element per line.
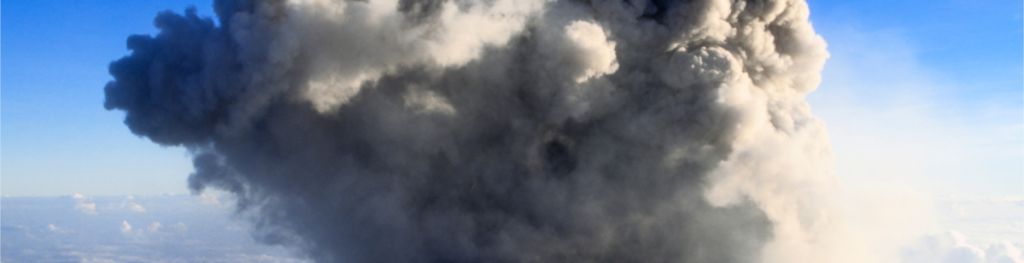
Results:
<point x="130" y="204"/>
<point x="126" y="228"/>
<point x="52" y="228"/>
<point x="84" y="204"/>
<point x="954" y="247"/>
<point x="180" y="227"/>
<point x="40" y="225"/>
<point x="987" y="221"/>
<point x="213" y="197"/>
<point x="1005" y="252"/>
<point x="154" y="227"/>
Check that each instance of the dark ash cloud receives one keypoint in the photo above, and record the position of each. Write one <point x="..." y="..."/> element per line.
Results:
<point x="491" y="131"/>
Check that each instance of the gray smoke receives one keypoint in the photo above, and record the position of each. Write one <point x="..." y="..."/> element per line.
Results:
<point x="500" y="130"/>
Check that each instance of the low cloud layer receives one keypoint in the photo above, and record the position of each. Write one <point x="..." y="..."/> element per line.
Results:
<point x="174" y="228"/>
<point x="84" y="204"/>
<point x="954" y="247"/>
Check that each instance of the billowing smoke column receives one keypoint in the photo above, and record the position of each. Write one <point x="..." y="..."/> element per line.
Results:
<point x="501" y="130"/>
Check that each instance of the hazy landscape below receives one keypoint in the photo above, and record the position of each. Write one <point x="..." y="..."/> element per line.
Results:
<point x="204" y="228"/>
<point x="168" y="228"/>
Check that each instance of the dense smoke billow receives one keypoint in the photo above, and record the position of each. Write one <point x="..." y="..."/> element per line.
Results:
<point x="500" y="130"/>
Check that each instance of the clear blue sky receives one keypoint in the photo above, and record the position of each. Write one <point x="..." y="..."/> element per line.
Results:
<point x="57" y="139"/>
<point x="974" y="42"/>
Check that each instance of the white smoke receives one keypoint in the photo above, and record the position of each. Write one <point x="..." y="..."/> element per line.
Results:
<point x="356" y="42"/>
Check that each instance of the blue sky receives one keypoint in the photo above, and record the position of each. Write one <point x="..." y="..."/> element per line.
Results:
<point x="940" y="71"/>
<point x="57" y="138"/>
<point x="973" y="42"/>
<point x="925" y="93"/>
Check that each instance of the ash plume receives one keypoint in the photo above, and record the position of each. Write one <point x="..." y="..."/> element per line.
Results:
<point x="498" y="131"/>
